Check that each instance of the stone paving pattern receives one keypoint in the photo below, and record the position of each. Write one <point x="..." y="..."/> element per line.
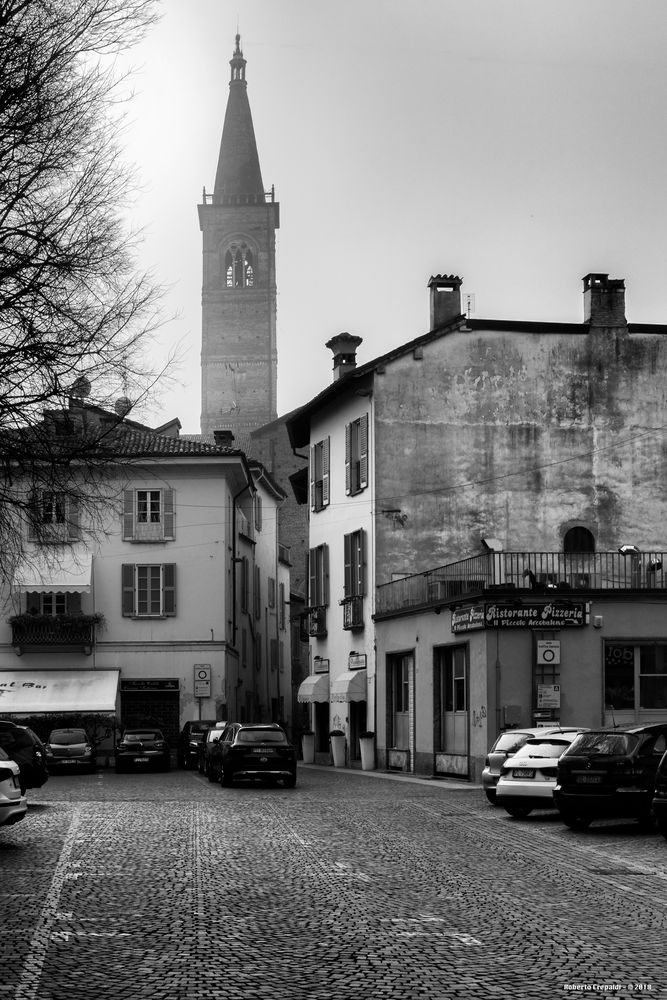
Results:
<point x="352" y="886"/>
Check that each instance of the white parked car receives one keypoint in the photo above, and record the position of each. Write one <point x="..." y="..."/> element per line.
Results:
<point x="507" y="744"/>
<point x="13" y="803"/>
<point x="528" y="778"/>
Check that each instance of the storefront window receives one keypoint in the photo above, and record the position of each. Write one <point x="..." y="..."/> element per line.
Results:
<point x="636" y="676"/>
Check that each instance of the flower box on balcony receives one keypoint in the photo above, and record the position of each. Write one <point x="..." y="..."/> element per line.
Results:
<point x="46" y="633"/>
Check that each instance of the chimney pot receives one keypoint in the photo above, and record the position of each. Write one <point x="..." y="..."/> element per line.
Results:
<point x="344" y="347"/>
<point x="604" y="300"/>
<point x="223" y="437"/>
<point x="445" y="299"/>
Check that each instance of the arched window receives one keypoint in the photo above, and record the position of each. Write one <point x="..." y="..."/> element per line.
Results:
<point x="578" y="539"/>
<point x="239" y="267"/>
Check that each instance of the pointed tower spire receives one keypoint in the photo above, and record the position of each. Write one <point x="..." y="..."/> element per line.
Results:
<point x="238" y="179"/>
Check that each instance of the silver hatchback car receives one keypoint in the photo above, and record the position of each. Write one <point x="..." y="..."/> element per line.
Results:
<point x="507" y="744"/>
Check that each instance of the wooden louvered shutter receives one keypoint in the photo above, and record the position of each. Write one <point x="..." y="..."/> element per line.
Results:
<point x="361" y="564"/>
<point x="169" y="588"/>
<point x="168" y="513"/>
<point x="311" y="576"/>
<point x="128" y="515"/>
<point x="33" y="517"/>
<point x="325" y="574"/>
<point x="348" y="457"/>
<point x="313" y="496"/>
<point x="325" y="472"/>
<point x="127" y="582"/>
<point x="73" y="526"/>
<point x="347" y="563"/>
<point x="363" y="452"/>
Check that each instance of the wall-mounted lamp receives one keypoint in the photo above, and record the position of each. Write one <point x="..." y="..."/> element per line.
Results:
<point x="629" y="550"/>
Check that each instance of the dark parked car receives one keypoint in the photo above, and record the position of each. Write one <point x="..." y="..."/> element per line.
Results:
<point x="660" y="796"/>
<point x="71" y="750"/>
<point x="610" y="773"/>
<point x="143" y="749"/>
<point x="13" y="803"/>
<point x="208" y="751"/>
<point x="256" y="751"/>
<point x="189" y="741"/>
<point x="26" y="748"/>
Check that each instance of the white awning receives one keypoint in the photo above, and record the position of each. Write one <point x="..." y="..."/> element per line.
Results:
<point x="350" y="686"/>
<point x="314" y="688"/>
<point x="61" y="573"/>
<point x="33" y="691"/>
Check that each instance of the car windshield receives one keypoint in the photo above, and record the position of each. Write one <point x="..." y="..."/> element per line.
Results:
<point x="261" y="736"/>
<point x="611" y="744"/>
<point x="544" y="748"/>
<point x="138" y="737"/>
<point x="509" y="742"/>
<point x="68" y="737"/>
<point x="198" y="727"/>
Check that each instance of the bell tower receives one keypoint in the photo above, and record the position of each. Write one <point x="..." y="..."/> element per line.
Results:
<point x="238" y="221"/>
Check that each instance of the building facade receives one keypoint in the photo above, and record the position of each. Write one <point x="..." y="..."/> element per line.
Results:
<point x="514" y="456"/>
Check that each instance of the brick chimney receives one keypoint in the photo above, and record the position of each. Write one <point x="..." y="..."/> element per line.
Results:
<point x="344" y="347"/>
<point x="604" y="300"/>
<point x="223" y="437"/>
<point x="445" y="299"/>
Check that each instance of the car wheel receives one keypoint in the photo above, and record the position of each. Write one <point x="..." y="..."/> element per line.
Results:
<point x="491" y="795"/>
<point x="518" y="811"/>
<point x="210" y="774"/>
<point x="574" y="822"/>
<point x="225" y="778"/>
<point x="646" y="821"/>
<point x="662" y="827"/>
<point x="290" y="782"/>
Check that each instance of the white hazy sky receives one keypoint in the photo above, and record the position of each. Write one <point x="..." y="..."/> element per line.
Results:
<point x="517" y="143"/>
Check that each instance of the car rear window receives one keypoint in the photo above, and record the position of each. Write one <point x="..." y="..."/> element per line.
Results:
<point x="544" y="748"/>
<point x="199" y="727"/>
<point x="261" y="736"/>
<point x="138" y="737"/>
<point x="68" y="737"/>
<point x="607" y="744"/>
<point x="510" y="741"/>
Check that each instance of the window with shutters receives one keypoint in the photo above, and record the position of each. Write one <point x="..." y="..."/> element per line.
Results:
<point x="319" y="475"/>
<point x="245" y="583"/>
<point x="257" y="594"/>
<point x="271" y="588"/>
<point x="53" y="603"/>
<point x="281" y="607"/>
<point x="149" y="590"/>
<point x="148" y="515"/>
<point x="318" y="576"/>
<point x="54" y="517"/>
<point x="356" y="455"/>
<point x="354" y="579"/>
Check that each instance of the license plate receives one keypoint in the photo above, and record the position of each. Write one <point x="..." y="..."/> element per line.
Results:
<point x="264" y="751"/>
<point x="523" y="772"/>
<point x="588" y="779"/>
<point x="64" y="760"/>
<point x="141" y="760"/>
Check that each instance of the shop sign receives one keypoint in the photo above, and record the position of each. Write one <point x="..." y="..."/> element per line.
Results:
<point x="320" y="665"/>
<point x="468" y="619"/>
<point x="356" y="661"/>
<point x="561" y="614"/>
<point x="149" y="684"/>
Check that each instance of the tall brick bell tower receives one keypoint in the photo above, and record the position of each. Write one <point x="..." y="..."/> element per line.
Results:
<point x="238" y="221"/>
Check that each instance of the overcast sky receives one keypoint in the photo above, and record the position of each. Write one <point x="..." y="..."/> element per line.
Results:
<point x="517" y="143"/>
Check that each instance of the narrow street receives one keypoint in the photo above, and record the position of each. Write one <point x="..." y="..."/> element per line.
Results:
<point x="353" y="885"/>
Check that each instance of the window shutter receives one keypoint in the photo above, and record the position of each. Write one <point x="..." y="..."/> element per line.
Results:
<point x="313" y="501"/>
<point x="127" y="578"/>
<point x="257" y="594"/>
<point x="347" y="561"/>
<point x="348" y="456"/>
<point x="325" y="472"/>
<point x="169" y="588"/>
<point x="361" y="564"/>
<point x="244" y="583"/>
<point x="128" y="515"/>
<point x="74" y="604"/>
<point x="312" y="578"/>
<point x="363" y="452"/>
<point x="33" y="517"/>
<point x="325" y="574"/>
<point x="281" y="606"/>
<point x="168" y="513"/>
<point x="73" y="527"/>
<point x="32" y="602"/>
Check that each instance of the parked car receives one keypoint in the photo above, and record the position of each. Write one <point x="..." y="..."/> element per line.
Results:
<point x="13" y="802"/>
<point x="25" y="747"/>
<point x="528" y="778"/>
<point x="256" y="751"/>
<point x="207" y="749"/>
<point x="507" y="744"/>
<point x="189" y="740"/>
<point x="660" y="796"/>
<point x="143" y="749"/>
<point x="610" y="773"/>
<point x="71" y="750"/>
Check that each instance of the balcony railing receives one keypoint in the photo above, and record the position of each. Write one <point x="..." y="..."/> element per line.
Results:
<point x="549" y="572"/>
<point x="46" y="633"/>
<point x="353" y="612"/>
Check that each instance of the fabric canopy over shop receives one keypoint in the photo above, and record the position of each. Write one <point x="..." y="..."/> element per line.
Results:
<point x="350" y="686"/>
<point x="67" y="574"/>
<point x="26" y="692"/>
<point x="314" y="688"/>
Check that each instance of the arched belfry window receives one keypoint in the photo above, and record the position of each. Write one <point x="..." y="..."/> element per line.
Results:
<point x="239" y="266"/>
<point x="578" y="539"/>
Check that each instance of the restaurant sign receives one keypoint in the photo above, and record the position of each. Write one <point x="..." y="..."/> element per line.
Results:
<point x="559" y="614"/>
<point x="468" y="619"/>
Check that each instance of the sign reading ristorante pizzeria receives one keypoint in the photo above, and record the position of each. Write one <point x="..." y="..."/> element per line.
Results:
<point x="561" y="614"/>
